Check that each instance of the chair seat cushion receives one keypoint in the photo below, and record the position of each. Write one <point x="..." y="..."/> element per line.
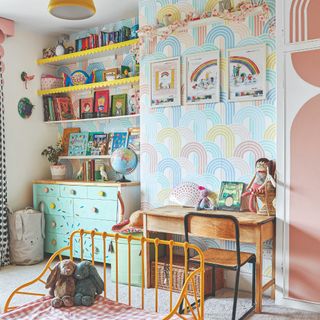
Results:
<point x="225" y="258"/>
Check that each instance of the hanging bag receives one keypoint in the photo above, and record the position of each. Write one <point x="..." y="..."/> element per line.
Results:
<point x="27" y="233"/>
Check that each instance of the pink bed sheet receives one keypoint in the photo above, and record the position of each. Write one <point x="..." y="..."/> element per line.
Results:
<point x="102" y="309"/>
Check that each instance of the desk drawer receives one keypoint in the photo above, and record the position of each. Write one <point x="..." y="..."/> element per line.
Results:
<point x="95" y="209"/>
<point x="55" y="206"/>
<point x="54" y="242"/>
<point x="73" y="192"/>
<point x="46" y="189"/>
<point x="103" y="193"/>
<point x="90" y="224"/>
<point x="58" y="224"/>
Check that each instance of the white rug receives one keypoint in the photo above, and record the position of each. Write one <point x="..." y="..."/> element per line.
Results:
<point x="218" y="308"/>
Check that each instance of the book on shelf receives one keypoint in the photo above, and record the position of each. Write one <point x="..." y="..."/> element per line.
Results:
<point x="90" y="142"/>
<point x="78" y="144"/>
<point x="66" y="138"/>
<point x="91" y="170"/>
<point x="110" y="140"/>
<point x="86" y="108"/>
<point x="97" y="169"/>
<point x="46" y="112"/>
<point x="52" y="116"/>
<point x="120" y="140"/>
<point x="64" y="108"/>
<point x="100" y="144"/>
<point x="134" y="139"/>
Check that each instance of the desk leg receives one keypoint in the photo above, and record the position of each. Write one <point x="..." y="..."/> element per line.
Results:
<point x="259" y="257"/>
<point x="147" y="274"/>
<point x="273" y="290"/>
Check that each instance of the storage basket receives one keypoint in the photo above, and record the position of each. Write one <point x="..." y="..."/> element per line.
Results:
<point x="178" y="276"/>
<point x="50" y="82"/>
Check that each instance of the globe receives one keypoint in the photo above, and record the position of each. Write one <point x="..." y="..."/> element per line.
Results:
<point x="124" y="161"/>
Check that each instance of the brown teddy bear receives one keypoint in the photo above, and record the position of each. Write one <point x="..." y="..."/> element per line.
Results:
<point x="62" y="284"/>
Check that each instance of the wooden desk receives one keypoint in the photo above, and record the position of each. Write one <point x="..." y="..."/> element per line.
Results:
<point x="254" y="229"/>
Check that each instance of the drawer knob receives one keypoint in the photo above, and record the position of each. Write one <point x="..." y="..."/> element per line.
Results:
<point x="54" y="242"/>
<point x="53" y="224"/>
<point x="73" y="192"/>
<point x="94" y="210"/>
<point x="45" y="190"/>
<point x="52" y="206"/>
<point x="102" y="194"/>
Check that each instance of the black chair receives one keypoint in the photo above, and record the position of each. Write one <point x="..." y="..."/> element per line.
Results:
<point x="210" y="226"/>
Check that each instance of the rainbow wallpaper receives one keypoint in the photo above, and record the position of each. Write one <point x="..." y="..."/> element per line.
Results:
<point x="205" y="144"/>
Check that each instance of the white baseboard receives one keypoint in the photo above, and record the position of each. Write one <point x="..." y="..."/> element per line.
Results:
<point x="298" y="304"/>
<point x="245" y="281"/>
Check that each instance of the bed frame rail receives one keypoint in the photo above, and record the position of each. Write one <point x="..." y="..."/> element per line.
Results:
<point x="196" y="312"/>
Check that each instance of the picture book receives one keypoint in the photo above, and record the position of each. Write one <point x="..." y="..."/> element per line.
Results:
<point x="97" y="167"/>
<point x="230" y="196"/>
<point x="66" y="138"/>
<point x="110" y="141"/>
<point x="101" y="103"/>
<point x="46" y="112"/>
<point x="119" y="105"/>
<point x="78" y="144"/>
<point x="119" y="140"/>
<point x="99" y="144"/>
<point x="90" y="142"/>
<point x="52" y="116"/>
<point x="134" y="139"/>
<point x="65" y="108"/>
<point x="87" y="108"/>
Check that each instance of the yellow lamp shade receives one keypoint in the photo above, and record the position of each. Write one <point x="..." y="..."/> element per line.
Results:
<point x="72" y="9"/>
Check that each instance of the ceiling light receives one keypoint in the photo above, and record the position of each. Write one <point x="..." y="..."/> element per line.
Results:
<point x="72" y="9"/>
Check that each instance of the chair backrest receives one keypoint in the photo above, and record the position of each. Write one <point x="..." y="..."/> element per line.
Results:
<point x="216" y="226"/>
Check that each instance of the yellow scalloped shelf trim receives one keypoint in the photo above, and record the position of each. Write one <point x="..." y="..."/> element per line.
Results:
<point x="96" y="85"/>
<point x="92" y="52"/>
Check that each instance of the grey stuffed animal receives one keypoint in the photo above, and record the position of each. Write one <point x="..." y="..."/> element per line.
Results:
<point x="88" y="284"/>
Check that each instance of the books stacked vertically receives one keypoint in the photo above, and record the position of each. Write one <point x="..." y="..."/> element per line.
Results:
<point x="134" y="139"/>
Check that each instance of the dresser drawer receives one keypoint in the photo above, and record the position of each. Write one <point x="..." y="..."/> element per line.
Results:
<point x="87" y="249"/>
<point x="54" y="242"/>
<point x="96" y="209"/>
<point x="90" y="224"/>
<point x="46" y="189"/>
<point x="73" y="192"/>
<point x="103" y="193"/>
<point x="55" y="206"/>
<point x="59" y="224"/>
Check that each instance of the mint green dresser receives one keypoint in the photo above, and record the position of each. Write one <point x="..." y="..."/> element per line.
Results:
<point x="70" y="206"/>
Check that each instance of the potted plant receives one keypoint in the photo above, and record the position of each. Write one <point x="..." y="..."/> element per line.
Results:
<point x="58" y="171"/>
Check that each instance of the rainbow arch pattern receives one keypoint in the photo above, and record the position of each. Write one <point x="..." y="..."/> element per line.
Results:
<point x="197" y="72"/>
<point x="209" y="143"/>
<point x="248" y="63"/>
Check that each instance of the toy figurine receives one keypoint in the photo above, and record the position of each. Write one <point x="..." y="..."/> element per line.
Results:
<point x="262" y="186"/>
<point x="205" y="203"/>
<point x="103" y="173"/>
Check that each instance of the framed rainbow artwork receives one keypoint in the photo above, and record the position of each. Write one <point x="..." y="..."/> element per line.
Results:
<point x="247" y="73"/>
<point x="165" y="79"/>
<point x="202" y="77"/>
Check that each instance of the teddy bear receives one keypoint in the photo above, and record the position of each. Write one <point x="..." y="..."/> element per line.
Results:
<point x="88" y="284"/>
<point x="62" y="284"/>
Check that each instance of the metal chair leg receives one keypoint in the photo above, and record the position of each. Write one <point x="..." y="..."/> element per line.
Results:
<point x="235" y="298"/>
<point x="254" y="283"/>
<point x="213" y="291"/>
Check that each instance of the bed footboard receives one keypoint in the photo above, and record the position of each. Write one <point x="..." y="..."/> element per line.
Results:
<point x="193" y="303"/>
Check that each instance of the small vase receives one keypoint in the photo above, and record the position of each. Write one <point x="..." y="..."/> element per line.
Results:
<point x="58" y="172"/>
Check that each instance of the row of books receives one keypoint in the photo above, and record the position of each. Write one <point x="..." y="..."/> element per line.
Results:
<point x="78" y="143"/>
<point x="57" y="108"/>
<point x="91" y="170"/>
<point x="105" y="38"/>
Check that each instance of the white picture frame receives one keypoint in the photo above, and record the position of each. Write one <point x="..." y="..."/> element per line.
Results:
<point x="202" y="78"/>
<point x="247" y="74"/>
<point x="165" y="83"/>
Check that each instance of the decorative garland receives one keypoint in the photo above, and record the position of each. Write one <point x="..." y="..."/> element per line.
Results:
<point x="244" y="9"/>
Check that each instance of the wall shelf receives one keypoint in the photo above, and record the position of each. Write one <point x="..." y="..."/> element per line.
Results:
<point x="90" y="86"/>
<point x="88" y="157"/>
<point x="131" y="116"/>
<point x="87" y="54"/>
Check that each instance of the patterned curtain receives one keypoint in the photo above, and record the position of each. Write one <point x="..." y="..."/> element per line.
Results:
<point x="4" y="237"/>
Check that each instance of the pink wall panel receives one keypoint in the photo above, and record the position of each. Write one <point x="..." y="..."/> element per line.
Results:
<point x="304" y="259"/>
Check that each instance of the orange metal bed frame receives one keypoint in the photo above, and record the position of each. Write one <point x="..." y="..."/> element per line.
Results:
<point x="196" y="313"/>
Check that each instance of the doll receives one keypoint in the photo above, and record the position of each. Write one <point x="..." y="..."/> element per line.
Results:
<point x="204" y="203"/>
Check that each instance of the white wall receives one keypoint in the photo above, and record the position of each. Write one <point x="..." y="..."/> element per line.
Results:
<point x="25" y="139"/>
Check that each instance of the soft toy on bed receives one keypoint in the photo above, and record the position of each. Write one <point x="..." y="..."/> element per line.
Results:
<point x="88" y="284"/>
<point x="62" y="284"/>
